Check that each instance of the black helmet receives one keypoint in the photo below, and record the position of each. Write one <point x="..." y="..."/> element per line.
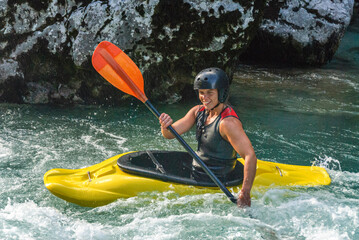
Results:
<point x="213" y="78"/>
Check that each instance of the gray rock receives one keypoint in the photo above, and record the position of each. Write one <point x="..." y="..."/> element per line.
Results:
<point x="169" y="40"/>
<point x="38" y="93"/>
<point x="356" y="10"/>
<point x="300" y="32"/>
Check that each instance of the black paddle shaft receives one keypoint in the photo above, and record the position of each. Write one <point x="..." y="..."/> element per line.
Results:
<point x="194" y="155"/>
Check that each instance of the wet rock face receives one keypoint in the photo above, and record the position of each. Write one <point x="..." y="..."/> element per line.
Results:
<point x="300" y="32"/>
<point x="46" y="46"/>
<point x="356" y="9"/>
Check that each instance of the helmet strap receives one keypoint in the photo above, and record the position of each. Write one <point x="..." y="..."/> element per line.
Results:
<point x="215" y="106"/>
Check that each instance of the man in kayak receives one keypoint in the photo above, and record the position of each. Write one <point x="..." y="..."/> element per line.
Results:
<point x="219" y="132"/>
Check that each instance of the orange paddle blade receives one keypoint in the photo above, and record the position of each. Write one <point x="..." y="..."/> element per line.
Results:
<point x="118" y="69"/>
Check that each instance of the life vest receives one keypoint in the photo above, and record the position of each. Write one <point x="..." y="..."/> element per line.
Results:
<point x="217" y="153"/>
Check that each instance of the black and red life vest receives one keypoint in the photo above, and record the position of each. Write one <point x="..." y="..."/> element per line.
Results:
<point x="217" y="153"/>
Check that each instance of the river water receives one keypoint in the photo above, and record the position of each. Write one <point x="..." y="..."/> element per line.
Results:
<point x="295" y="116"/>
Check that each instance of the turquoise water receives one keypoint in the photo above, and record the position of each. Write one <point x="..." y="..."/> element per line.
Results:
<point x="295" y="116"/>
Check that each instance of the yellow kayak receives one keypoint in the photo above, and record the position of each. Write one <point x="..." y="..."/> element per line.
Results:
<point x="128" y="174"/>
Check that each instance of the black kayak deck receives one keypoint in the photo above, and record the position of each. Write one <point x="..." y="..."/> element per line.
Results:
<point x="169" y="166"/>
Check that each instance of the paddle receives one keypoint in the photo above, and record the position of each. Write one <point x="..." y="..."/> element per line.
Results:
<point x="118" y="69"/>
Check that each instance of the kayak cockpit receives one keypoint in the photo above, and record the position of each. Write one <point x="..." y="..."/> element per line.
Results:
<point x="170" y="166"/>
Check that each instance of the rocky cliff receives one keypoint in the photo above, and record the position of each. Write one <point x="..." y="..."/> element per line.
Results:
<point x="46" y="46"/>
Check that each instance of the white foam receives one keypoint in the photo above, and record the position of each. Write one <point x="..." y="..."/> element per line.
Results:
<point x="328" y="163"/>
<point x="5" y="149"/>
<point x="312" y="214"/>
<point x="28" y="221"/>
